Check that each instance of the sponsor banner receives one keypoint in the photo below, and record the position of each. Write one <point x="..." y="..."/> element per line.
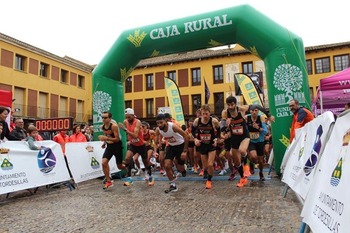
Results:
<point x="85" y="160"/>
<point x="300" y="168"/>
<point x="174" y="98"/>
<point x="248" y="89"/>
<point x="206" y="92"/>
<point x="22" y="168"/>
<point x="327" y="206"/>
<point x="297" y="143"/>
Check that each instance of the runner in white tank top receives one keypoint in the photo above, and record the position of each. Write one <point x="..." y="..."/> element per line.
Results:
<point x="177" y="148"/>
<point x="174" y="138"/>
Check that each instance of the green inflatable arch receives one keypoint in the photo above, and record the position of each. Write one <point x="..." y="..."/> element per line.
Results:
<point x="281" y="50"/>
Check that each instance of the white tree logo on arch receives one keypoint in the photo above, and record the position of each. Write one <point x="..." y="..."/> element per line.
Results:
<point x="102" y="102"/>
<point x="288" y="78"/>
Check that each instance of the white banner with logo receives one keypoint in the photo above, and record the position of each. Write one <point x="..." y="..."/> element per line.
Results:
<point x="327" y="206"/>
<point x="85" y="160"/>
<point x="303" y="160"/>
<point x="293" y="147"/>
<point x="22" y="168"/>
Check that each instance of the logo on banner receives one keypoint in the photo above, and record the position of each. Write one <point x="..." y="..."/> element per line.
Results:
<point x="288" y="79"/>
<point x="46" y="160"/>
<point x="137" y="38"/>
<point x="94" y="163"/>
<point x="311" y="162"/>
<point x="337" y="172"/>
<point x="6" y="164"/>
<point x="301" y="151"/>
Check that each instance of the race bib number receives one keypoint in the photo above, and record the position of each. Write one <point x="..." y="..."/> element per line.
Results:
<point x="254" y="135"/>
<point x="205" y="138"/>
<point x="237" y="130"/>
<point x="171" y="139"/>
<point x="134" y="140"/>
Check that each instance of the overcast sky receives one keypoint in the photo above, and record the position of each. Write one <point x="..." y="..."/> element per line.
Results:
<point x="86" y="29"/>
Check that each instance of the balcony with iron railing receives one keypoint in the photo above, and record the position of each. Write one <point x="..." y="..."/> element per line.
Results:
<point x="34" y="112"/>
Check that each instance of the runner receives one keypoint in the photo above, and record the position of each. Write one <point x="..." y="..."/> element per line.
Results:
<point x="111" y="138"/>
<point x="257" y="130"/>
<point x="177" y="148"/>
<point x="193" y="164"/>
<point x="227" y="146"/>
<point x="236" y="125"/>
<point x="196" y="154"/>
<point x="267" y="141"/>
<point x="208" y="132"/>
<point x="137" y="144"/>
<point x="148" y="137"/>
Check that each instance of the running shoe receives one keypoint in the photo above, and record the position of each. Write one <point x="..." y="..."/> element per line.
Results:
<point x="181" y="174"/>
<point x="195" y="170"/>
<point x="164" y="173"/>
<point x="161" y="171"/>
<point x="261" y="175"/>
<point x="201" y="173"/>
<point x="128" y="181"/>
<point x="208" y="184"/>
<point x="246" y="171"/>
<point x="242" y="182"/>
<point x="172" y="188"/>
<point x="108" y="185"/>
<point x="105" y="180"/>
<point x="223" y="172"/>
<point x="151" y="181"/>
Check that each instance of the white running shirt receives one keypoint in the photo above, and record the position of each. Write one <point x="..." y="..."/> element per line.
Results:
<point x="172" y="137"/>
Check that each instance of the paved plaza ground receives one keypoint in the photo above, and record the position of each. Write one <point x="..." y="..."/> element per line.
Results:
<point x="258" y="207"/>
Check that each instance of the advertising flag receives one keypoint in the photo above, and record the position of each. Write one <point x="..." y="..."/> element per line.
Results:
<point x="174" y="98"/>
<point x="248" y="89"/>
<point x="206" y="92"/>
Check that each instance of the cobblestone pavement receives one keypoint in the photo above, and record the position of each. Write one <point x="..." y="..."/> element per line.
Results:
<point x="258" y="207"/>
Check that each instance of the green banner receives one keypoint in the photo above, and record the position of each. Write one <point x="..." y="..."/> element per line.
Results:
<point x="174" y="99"/>
<point x="282" y="51"/>
<point x="248" y="89"/>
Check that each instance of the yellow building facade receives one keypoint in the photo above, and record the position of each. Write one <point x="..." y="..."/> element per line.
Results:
<point x="44" y="85"/>
<point x="47" y="86"/>
<point x="144" y="89"/>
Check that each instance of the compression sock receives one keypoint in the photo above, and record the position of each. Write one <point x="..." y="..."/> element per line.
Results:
<point x="240" y="170"/>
